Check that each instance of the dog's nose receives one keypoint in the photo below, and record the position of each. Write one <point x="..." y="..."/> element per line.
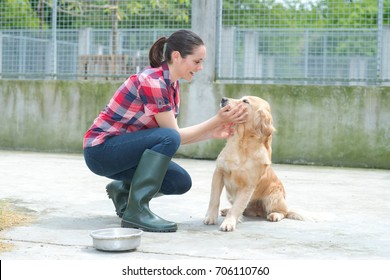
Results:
<point x="224" y="102"/>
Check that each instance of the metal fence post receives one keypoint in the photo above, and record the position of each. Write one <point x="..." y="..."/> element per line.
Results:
<point x="1" y="53"/>
<point x="379" y="41"/>
<point x="54" y="39"/>
<point x="386" y="56"/>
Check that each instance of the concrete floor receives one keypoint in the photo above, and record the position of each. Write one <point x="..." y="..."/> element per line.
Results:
<point x="68" y="202"/>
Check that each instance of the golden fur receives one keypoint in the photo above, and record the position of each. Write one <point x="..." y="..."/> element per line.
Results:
<point x="244" y="168"/>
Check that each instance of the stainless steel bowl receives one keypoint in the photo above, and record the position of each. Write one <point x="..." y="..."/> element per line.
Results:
<point x="116" y="239"/>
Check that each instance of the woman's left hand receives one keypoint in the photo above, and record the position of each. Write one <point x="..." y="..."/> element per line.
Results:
<point x="223" y="131"/>
<point x="233" y="114"/>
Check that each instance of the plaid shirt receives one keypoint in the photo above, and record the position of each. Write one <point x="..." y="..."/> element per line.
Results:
<point x="134" y="105"/>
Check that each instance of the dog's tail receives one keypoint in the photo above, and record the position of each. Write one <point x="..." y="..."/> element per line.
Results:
<point x="294" y="215"/>
<point x="306" y="216"/>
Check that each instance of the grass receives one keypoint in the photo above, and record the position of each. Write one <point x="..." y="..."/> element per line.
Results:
<point x="10" y="217"/>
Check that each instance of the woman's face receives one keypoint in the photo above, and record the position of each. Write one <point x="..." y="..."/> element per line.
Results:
<point x="192" y="63"/>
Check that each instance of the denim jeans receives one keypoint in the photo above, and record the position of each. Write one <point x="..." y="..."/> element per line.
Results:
<point x="117" y="157"/>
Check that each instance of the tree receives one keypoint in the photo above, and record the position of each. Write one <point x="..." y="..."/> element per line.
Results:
<point x="298" y="14"/>
<point x="173" y="13"/>
<point x="17" y="14"/>
<point x="127" y="14"/>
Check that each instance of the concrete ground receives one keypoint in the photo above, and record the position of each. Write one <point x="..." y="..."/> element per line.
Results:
<point x="68" y="202"/>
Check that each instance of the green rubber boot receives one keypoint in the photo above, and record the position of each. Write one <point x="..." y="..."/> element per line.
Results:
<point x="145" y="185"/>
<point x="118" y="192"/>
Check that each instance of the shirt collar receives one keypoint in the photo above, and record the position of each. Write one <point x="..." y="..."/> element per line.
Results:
<point x="168" y="81"/>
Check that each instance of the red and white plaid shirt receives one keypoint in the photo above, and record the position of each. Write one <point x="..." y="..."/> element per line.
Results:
<point x="134" y="105"/>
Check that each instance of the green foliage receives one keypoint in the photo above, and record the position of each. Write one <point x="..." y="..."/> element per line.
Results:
<point x="386" y="12"/>
<point x="273" y="18"/>
<point x="157" y="13"/>
<point x="18" y="14"/>
<point x="127" y="14"/>
<point x="296" y="14"/>
<point x="172" y="13"/>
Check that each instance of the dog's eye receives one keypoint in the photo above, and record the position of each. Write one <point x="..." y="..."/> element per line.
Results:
<point x="245" y="101"/>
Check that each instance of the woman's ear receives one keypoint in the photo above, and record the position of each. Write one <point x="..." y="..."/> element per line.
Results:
<point x="175" y="55"/>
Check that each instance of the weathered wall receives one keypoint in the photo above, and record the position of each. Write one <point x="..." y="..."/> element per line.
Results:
<point x="49" y="115"/>
<point x="340" y="126"/>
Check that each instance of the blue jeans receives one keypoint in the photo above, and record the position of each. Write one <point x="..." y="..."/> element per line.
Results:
<point x="117" y="158"/>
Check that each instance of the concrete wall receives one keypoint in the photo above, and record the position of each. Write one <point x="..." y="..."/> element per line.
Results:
<point x="49" y="115"/>
<point x="339" y="126"/>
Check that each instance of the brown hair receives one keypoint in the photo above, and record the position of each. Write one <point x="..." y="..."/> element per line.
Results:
<point x="183" y="41"/>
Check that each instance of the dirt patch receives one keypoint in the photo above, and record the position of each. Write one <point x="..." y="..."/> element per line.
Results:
<point x="11" y="216"/>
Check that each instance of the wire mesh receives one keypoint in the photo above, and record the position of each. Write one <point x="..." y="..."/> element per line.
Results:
<point x="305" y="42"/>
<point x="83" y="39"/>
<point x="259" y="41"/>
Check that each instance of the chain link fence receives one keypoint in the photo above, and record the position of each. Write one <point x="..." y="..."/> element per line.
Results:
<point x="259" y="41"/>
<point x="305" y="42"/>
<point x="83" y="39"/>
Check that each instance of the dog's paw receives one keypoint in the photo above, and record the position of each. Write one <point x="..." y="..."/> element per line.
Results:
<point x="275" y="217"/>
<point x="210" y="219"/>
<point x="229" y="224"/>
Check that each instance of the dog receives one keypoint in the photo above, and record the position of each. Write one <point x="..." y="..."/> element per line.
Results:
<point x="244" y="168"/>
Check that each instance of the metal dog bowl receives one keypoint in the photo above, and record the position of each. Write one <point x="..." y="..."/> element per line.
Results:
<point x="116" y="239"/>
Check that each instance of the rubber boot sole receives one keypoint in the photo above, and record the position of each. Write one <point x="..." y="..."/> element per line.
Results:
<point x="126" y="224"/>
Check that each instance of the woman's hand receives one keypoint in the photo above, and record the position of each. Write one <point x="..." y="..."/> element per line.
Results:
<point x="220" y="126"/>
<point x="233" y="114"/>
<point x="223" y="131"/>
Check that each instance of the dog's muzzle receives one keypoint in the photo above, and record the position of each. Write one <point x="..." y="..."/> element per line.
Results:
<point x="224" y="102"/>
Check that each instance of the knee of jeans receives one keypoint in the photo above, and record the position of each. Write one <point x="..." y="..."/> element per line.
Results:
<point x="93" y="164"/>
<point x="180" y="185"/>
<point x="186" y="185"/>
<point x="186" y="188"/>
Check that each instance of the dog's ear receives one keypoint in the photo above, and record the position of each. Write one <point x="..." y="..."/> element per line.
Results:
<point x="264" y="122"/>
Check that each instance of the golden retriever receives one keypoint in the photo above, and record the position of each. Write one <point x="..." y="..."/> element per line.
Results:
<point x="244" y="168"/>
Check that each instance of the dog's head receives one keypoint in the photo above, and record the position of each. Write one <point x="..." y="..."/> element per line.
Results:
<point x="259" y="120"/>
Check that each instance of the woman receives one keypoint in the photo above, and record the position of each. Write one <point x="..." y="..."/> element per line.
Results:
<point x="134" y="138"/>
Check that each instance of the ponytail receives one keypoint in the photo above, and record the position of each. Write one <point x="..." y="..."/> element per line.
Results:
<point x="156" y="52"/>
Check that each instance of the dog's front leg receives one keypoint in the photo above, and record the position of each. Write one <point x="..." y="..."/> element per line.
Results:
<point x="235" y="212"/>
<point x="215" y="195"/>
